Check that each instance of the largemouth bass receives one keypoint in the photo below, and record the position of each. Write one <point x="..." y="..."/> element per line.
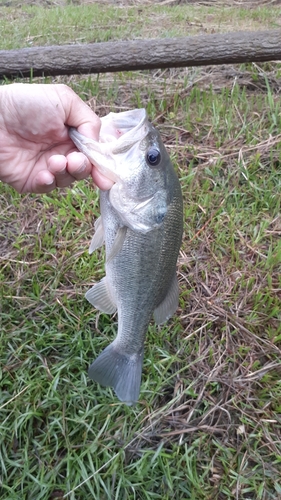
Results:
<point x="141" y="223"/>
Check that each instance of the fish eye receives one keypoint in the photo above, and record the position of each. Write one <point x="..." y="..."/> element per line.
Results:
<point x="153" y="157"/>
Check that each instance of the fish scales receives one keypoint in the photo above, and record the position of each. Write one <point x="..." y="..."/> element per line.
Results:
<point x="144" y="269"/>
<point x="141" y="221"/>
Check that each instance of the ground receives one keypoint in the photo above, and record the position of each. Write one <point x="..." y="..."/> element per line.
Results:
<point x="208" y="423"/>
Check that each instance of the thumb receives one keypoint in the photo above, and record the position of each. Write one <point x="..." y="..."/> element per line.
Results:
<point x="79" y="115"/>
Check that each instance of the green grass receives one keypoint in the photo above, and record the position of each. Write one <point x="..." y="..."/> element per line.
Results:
<point x="68" y="22"/>
<point x="208" y="423"/>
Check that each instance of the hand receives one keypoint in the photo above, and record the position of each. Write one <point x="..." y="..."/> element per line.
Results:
<point x="36" y="153"/>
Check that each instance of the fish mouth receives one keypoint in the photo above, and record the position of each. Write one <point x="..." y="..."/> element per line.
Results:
<point x="119" y="133"/>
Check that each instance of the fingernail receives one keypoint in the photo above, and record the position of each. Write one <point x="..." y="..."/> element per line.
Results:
<point x="82" y="168"/>
<point x="49" y="179"/>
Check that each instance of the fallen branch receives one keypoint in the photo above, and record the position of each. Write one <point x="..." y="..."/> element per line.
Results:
<point x="226" y="48"/>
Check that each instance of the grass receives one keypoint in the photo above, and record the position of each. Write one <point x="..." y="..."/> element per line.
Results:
<point x="60" y="22"/>
<point x="208" y="424"/>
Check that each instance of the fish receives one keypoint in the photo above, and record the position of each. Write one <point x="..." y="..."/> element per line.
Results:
<point x="141" y="224"/>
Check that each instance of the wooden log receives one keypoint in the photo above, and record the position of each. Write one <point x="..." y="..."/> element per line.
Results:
<point x="226" y="48"/>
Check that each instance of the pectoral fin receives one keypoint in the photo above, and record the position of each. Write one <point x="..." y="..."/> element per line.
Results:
<point x="98" y="238"/>
<point x="99" y="296"/>
<point x="117" y="244"/>
<point x="169" y="305"/>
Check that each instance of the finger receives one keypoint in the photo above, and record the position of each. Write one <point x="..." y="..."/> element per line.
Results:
<point x="78" y="166"/>
<point x="102" y="182"/>
<point x="57" y="165"/>
<point x="44" y="182"/>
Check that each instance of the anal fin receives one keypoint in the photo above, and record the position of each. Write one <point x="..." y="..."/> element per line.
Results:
<point x="170" y="303"/>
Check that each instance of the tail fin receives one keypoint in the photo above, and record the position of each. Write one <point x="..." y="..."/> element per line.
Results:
<point x="120" y="371"/>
